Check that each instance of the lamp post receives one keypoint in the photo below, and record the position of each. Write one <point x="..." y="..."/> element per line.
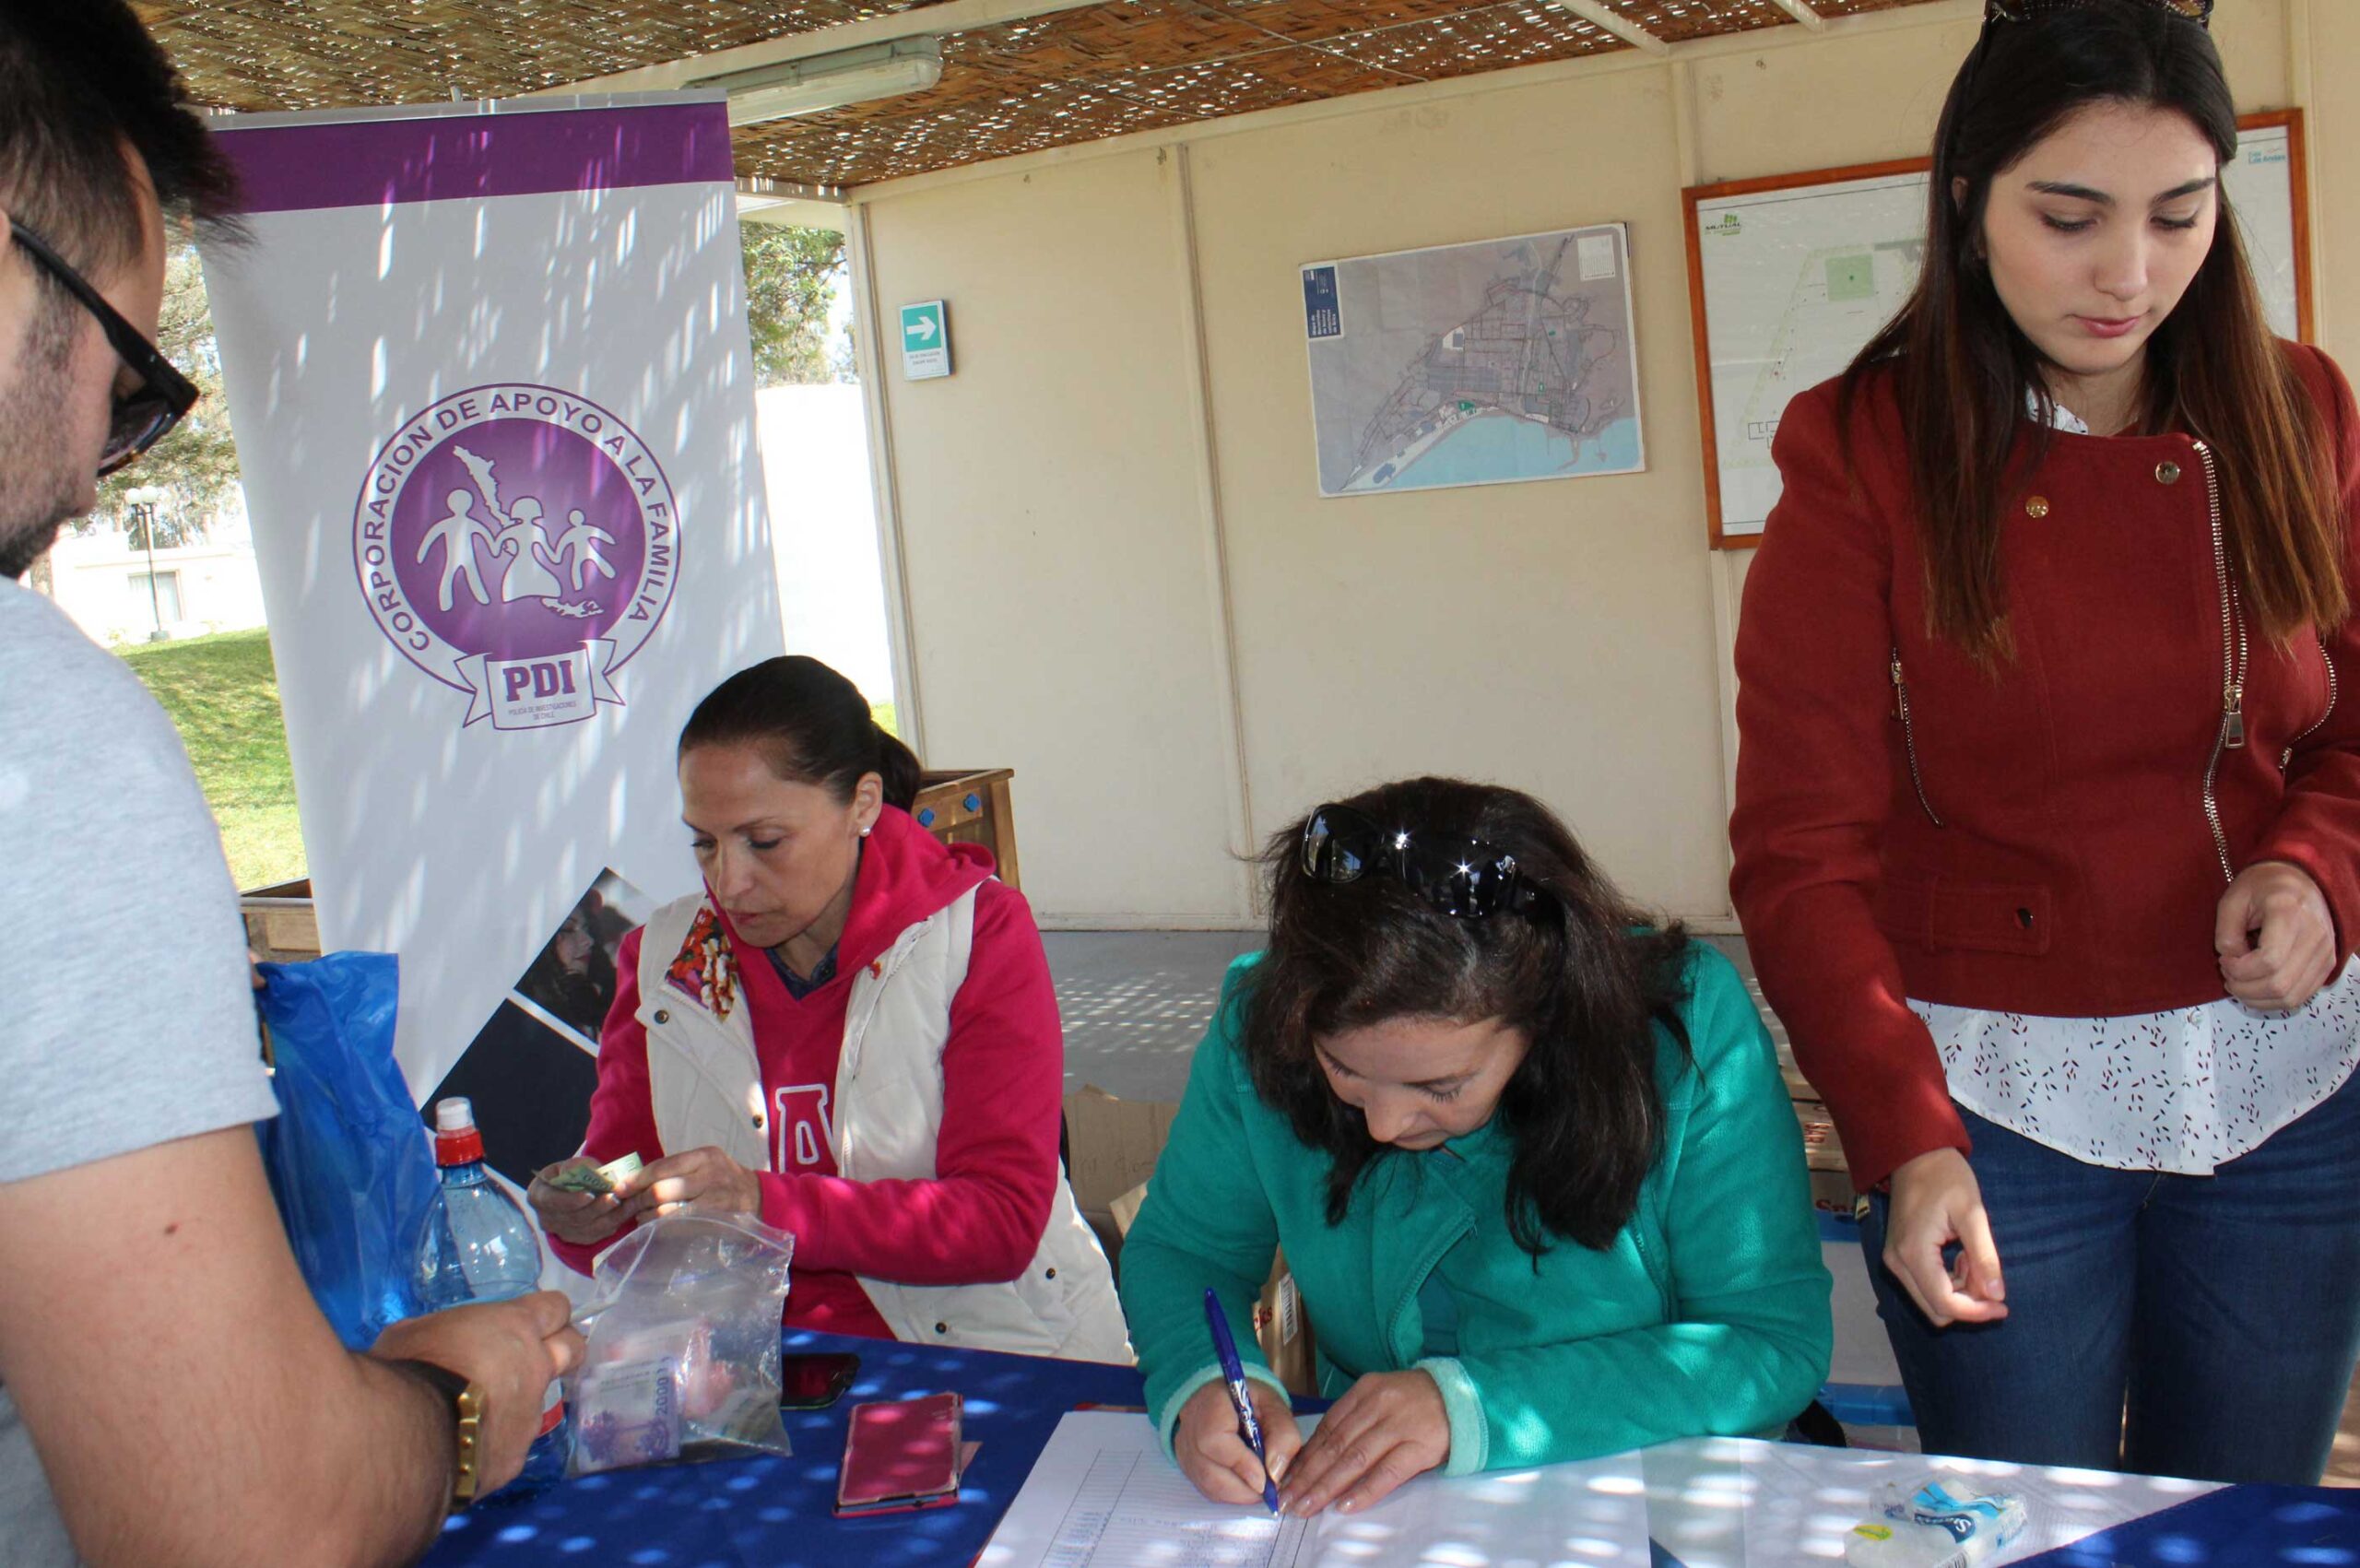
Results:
<point x="143" y="502"/>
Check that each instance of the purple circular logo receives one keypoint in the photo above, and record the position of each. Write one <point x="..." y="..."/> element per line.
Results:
<point x="518" y="543"/>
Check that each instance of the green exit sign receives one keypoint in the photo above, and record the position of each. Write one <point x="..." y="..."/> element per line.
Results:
<point x="925" y="341"/>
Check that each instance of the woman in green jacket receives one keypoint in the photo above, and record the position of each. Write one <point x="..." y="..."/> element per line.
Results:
<point x="1531" y="1161"/>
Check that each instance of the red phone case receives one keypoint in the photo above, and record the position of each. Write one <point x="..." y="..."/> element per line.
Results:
<point x="901" y="1455"/>
<point x="813" y="1381"/>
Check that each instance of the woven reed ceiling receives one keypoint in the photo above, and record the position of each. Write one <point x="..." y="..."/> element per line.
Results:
<point x="1073" y="77"/>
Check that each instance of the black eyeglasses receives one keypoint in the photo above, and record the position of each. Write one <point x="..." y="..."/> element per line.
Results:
<point x="1465" y="878"/>
<point x="2197" y="11"/>
<point x="163" y="394"/>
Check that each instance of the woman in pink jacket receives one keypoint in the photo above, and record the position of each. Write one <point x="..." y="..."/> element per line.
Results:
<point x="850" y="1033"/>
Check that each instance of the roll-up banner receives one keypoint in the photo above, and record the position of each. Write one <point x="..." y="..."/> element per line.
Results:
<point x="494" y="403"/>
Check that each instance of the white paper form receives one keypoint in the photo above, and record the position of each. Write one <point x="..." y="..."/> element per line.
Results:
<point x="1741" y="1503"/>
<point x="1103" y="1495"/>
<point x="1131" y="1506"/>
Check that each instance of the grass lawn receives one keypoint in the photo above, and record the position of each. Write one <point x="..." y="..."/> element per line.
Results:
<point x="222" y="692"/>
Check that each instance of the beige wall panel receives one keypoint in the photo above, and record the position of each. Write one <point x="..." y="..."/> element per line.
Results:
<point x="1855" y="95"/>
<point x="2251" y="36"/>
<point x="2333" y="66"/>
<point x="1052" y="533"/>
<point x="1553" y="635"/>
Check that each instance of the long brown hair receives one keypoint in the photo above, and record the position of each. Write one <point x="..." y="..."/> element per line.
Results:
<point x="1586" y="977"/>
<point x="1962" y="366"/>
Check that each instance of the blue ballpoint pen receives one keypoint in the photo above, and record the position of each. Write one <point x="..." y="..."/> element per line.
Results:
<point x="1233" y="1372"/>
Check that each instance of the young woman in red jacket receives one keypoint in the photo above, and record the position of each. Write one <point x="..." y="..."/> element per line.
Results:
<point x="2047" y="824"/>
<point x="850" y="1033"/>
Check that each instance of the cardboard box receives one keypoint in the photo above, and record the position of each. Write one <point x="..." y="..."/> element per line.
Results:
<point x="1112" y="1144"/>
<point x="281" y="924"/>
<point x="1283" y="1328"/>
<point x="1831" y="1179"/>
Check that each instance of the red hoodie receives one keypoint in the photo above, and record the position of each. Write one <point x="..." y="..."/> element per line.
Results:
<point x="982" y="1216"/>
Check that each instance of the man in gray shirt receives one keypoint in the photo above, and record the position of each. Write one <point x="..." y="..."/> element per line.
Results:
<point x="169" y="1393"/>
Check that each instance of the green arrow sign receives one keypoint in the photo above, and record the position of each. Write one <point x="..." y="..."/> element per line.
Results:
<point x="925" y="341"/>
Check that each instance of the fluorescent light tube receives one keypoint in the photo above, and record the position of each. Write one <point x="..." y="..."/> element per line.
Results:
<point x="829" y="81"/>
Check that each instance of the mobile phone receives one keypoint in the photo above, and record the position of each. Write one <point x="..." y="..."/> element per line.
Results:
<point x="901" y="1454"/>
<point x="814" y="1380"/>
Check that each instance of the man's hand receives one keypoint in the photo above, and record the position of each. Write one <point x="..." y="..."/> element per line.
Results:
<point x="1935" y="1202"/>
<point x="2275" y="936"/>
<point x="584" y="1218"/>
<point x="1388" y="1427"/>
<point x="702" y="1181"/>
<point x="512" y="1351"/>
<point x="1212" y="1451"/>
<point x="160" y="1280"/>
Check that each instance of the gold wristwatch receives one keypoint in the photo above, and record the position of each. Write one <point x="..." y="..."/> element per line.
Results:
<point x="466" y="1411"/>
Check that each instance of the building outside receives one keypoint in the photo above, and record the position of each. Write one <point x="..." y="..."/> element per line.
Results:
<point x="203" y="578"/>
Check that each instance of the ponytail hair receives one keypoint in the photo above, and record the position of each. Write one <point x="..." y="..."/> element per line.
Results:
<point x="811" y="725"/>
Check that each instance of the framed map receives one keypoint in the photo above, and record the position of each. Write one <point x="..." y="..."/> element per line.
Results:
<point x="1479" y="364"/>
<point x="1788" y="277"/>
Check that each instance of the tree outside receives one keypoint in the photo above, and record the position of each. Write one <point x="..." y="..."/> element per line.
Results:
<point x="794" y="279"/>
<point x="196" y="465"/>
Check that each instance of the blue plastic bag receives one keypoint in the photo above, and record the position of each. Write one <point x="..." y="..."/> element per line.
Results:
<point x="347" y="1155"/>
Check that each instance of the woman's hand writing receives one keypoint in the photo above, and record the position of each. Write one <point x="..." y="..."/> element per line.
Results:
<point x="1212" y="1452"/>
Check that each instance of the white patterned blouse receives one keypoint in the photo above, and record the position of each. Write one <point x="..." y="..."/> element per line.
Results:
<point x="2180" y="1092"/>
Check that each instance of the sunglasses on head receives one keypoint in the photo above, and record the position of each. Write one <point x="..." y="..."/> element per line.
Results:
<point x="1464" y="878"/>
<point x="2197" y="11"/>
<point x="143" y="414"/>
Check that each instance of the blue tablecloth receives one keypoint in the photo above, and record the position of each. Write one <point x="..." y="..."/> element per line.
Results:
<point x="2237" y="1526"/>
<point x="777" y="1513"/>
<point x="768" y="1513"/>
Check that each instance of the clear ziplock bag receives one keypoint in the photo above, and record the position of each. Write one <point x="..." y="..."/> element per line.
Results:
<point x="681" y="1359"/>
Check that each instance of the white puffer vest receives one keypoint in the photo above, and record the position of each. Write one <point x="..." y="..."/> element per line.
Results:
<point x="705" y="1085"/>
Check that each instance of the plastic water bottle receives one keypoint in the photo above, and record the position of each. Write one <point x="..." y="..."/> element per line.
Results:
<point x="480" y="1246"/>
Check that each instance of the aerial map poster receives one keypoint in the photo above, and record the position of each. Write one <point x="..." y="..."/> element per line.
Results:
<point x="1479" y="364"/>
<point x="1791" y="276"/>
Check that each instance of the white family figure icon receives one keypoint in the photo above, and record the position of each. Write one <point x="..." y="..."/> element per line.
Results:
<point x="457" y="534"/>
<point x="581" y="541"/>
<point x="519" y="536"/>
<point x="528" y="575"/>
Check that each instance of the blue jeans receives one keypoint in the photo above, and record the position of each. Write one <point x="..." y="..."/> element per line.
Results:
<point x="2183" y="1326"/>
